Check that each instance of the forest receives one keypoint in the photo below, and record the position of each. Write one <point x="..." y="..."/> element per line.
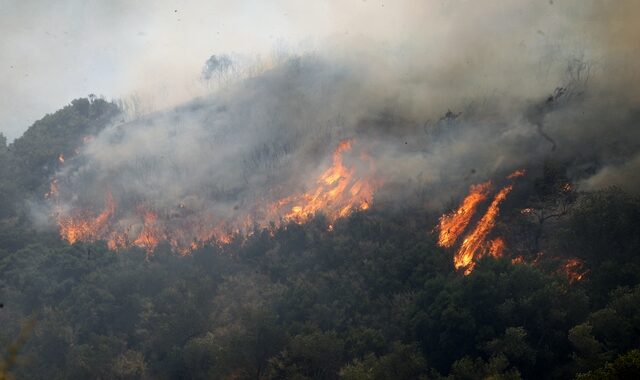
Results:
<point x="371" y="296"/>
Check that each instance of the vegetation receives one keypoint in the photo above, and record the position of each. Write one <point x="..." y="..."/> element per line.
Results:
<point x="375" y="298"/>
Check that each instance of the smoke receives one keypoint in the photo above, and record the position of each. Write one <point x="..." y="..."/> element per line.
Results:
<point x="624" y="175"/>
<point x="463" y="93"/>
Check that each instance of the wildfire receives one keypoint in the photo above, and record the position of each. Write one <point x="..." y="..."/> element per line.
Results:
<point x="61" y="158"/>
<point x="475" y="244"/>
<point x="453" y="225"/>
<point x="338" y="191"/>
<point x="574" y="269"/>
<point x="475" y="241"/>
<point x="151" y="233"/>
<point x="516" y="174"/>
<point x="518" y="260"/>
<point x="81" y="226"/>
<point x="496" y="247"/>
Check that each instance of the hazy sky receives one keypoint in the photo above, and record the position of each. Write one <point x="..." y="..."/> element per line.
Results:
<point x="55" y="51"/>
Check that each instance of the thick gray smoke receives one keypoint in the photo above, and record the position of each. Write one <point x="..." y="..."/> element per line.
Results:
<point x="423" y="120"/>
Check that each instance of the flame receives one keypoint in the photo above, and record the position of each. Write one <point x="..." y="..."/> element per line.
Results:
<point x="81" y="226"/>
<point x="453" y="225"/>
<point x="496" y="247"/>
<point x="61" y="158"/>
<point x="475" y="244"/>
<point x="574" y="269"/>
<point x="151" y="233"/>
<point x="337" y="193"/>
<point x="475" y="241"/>
<point x="518" y="260"/>
<point x="516" y="174"/>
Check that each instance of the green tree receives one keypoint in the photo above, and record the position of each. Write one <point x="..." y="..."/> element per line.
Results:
<point x="625" y="367"/>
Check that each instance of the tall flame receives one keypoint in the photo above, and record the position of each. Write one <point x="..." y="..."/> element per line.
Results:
<point x="453" y="225"/>
<point x="337" y="192"/>
<point x="475" y="244"/>
<point x="475" y="241"/>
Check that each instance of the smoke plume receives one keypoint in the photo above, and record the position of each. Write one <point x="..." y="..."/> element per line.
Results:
<point x="472" y="93"/>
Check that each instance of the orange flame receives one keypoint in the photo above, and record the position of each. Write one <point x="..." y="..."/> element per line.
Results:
<point x="516" y="174"/>
<point x="337" y="193"/>
<point x="518" y="260"/>
<point x="574" y="269"/>
<point x="475" y="241"/>
<point x="82" y="227"/>
<point x="453" y="225"/>
<point x="496" y="247"/>
<point x="475" y="244"/>
<point x="151" y="233"/>
<point x="61" y="158"/>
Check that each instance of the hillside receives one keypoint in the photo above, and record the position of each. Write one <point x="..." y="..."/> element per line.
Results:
<point x="368" y="295"/>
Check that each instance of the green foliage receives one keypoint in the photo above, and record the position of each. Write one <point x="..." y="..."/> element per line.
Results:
<point x="608" y="332"/>
<point x="625" y="367"/>
<point x="8" y="190"/>
<point x="27" y="164"/>
<point x="604" y="230"/>
<point x="402" y="362"/>
<point x="497" y="367"/>
<point x="588" y="350"/>
<point x="607" y="225"/>
<point x="375" y="298"/>
<point x="315" y="355"/>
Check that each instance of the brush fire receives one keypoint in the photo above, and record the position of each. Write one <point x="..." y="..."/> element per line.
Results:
<point x="475" y="244"/>
<point x="346" y="185"/>
<point x="336" y="193"/>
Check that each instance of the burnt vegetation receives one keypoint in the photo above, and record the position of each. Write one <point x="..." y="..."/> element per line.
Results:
<point x="373" y="296"/>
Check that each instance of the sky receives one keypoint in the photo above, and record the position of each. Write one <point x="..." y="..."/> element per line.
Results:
<point x="55" y="51"/>
<point x="52" y="52"/>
